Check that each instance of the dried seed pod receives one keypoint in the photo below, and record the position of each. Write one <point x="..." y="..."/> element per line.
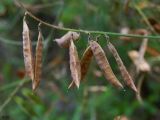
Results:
<point x="38" y="62"/>
<point x="64" y="41"/>
<point x="85" y="62"/>
<point x="27" y="52"/>
<point x="104" y="64"/>
<point x="74" y="64"/>
<point x="127" y="78"/>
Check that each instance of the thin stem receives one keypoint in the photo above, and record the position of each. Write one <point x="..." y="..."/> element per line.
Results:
<point x="12" y="94"/>
<point x="88" y="31"/>
<point x="145" y="19"/>
<point x="12" y="42"/>
<point x="12" y="85"/>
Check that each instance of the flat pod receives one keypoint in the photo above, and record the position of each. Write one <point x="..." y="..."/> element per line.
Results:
<point x="85" y="62"/>
<point x="38" y="62"/>
<point x="104" y="64"/>
<point x="74" y="64"/>
<point x="27" y="52"/>
<point x="64" y="41"/>
<point x="127" y="78"/>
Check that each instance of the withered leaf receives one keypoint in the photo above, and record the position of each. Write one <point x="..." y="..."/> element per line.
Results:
<point x="27" y="52"/>
<point x="142" y="65"/>
<point x="75" y="66"/>
<point x="104" y="64"/>
<point x="127" y="78"/>
<point x="64" y="41"/>
<point x="38" y="62"/>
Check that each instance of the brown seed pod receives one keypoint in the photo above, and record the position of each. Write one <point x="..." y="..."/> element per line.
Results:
<point x="74" y="64"/>
<point x="127" y="78"/>
<point x="85" y="62"/>
<point x="38" y="62"/>
<point x="27" y="52"/>
<point x="64" y="41"/>
<point x="104" y="64"/>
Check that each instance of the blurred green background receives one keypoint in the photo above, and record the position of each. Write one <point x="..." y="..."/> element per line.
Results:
<point x="53" y="100"/>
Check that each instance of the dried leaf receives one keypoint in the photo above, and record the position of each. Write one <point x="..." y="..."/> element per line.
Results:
<point x="85" y="62"/>
<point x="38" y="62"/>
<point x="74" y="64"/>
<point x="27" y="52"/>
<point x="142" y="66"/>
<point x="138" y="57"/>
<point x="104" y="64"/>
<point x="127" y="78"/>
<point x="64" y="41"/>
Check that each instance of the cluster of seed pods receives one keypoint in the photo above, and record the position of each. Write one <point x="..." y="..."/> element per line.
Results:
<point x="79" y="68"/>
<point x="33" y="65"/>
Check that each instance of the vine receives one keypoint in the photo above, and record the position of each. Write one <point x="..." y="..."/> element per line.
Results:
<point x="88" y="31"/>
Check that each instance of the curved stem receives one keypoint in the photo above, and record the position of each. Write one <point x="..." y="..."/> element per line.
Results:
<point x="13" y="94"/>
<point x="88" y="31"/>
